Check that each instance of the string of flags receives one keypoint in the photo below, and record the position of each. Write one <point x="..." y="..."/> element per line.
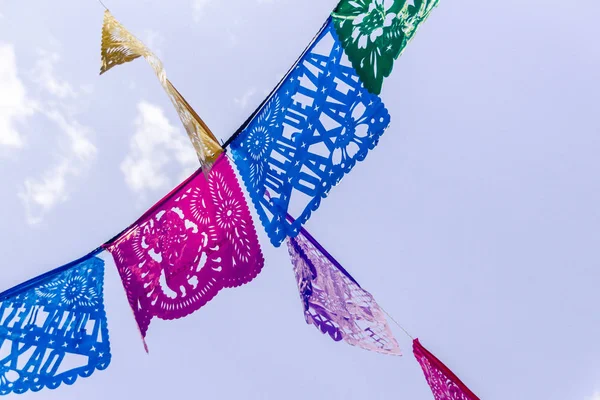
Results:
<point x="321" y="119"/>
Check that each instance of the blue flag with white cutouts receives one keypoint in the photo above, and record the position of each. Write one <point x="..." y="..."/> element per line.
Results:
<point x="53" y="328"/>
<point x="307" y="136"/>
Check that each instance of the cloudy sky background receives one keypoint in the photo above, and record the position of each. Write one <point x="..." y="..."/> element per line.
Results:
<point x="476" y="222"/>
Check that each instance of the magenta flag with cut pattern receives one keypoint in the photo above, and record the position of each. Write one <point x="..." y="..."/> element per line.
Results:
<point x="443" y="383"/>
<point x="196" y="241"/>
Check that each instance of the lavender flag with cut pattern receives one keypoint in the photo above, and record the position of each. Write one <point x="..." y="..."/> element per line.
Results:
<point x="334" y="302"/>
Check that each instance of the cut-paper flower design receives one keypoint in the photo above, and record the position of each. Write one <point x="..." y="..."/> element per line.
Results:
<point x="375" y="32"/>
<point x="310" y="133"/>
<point x="76" y="291"/>
<point x="188" y="247"/>
<point x="54" y="329"/>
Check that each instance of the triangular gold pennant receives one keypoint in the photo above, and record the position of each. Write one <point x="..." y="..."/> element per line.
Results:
<point x="119" y="46"/>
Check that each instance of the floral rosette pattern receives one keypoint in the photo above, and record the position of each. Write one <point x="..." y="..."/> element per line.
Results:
<point x="375" y="32"/>
<point x="53" y="329"/>
<point x="443" y="383"/>
<point x="188" y="247"/>
<point x="308" y="135"/>
<point x="334" y="302"/>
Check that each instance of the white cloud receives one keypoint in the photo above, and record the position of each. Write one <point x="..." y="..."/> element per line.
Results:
<point x="595" y="396"/>
<point x="80" y="146"/>
<point x="231" y="31"/>
<point x="154" y="40"/>
<point x="154" y="145"/>
<point x="75" y="151"/>
<point x="45" y="76"/>
<point x="15" y="106"/>
<point x="40" y="195"/>
<point x="198" y="7"/>
<point x="245" y="98"/>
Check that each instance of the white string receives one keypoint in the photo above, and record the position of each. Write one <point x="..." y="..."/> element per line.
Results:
<point x="397" y="324"/>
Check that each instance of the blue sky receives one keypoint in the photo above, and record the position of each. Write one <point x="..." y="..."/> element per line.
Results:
<point x="475" y="222"/>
